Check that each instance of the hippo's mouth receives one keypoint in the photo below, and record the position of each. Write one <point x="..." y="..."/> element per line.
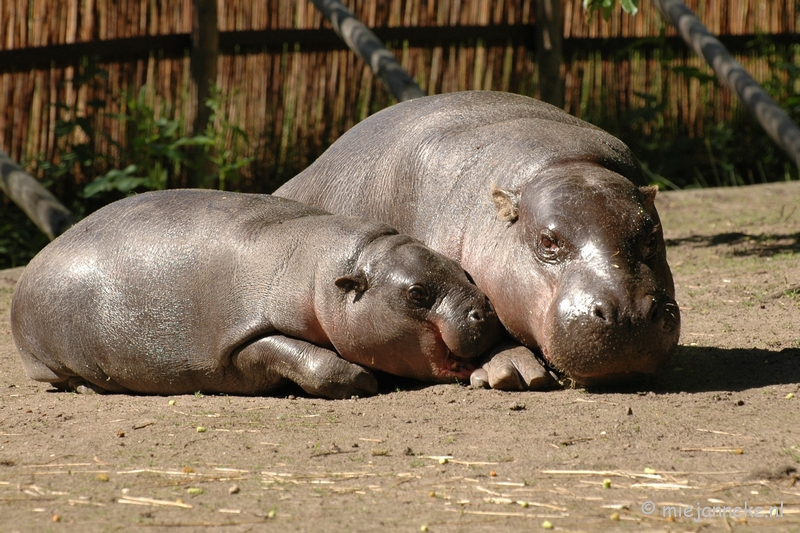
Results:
<point x="455" y="367"/>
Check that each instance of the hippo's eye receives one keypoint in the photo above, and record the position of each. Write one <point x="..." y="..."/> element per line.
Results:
<point x="418" y="294"/>
<point x="651" y="243"/>
<point x="548" y="245"/>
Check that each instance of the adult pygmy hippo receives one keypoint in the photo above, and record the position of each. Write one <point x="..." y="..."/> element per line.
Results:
<point x="538" y="206"/>
<point x="180" y="291"/>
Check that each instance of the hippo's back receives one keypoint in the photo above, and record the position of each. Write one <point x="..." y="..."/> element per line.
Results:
<point x="444" y="151"/>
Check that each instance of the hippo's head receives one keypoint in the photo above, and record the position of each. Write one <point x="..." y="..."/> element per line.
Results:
<point x="602" y="300"/>
<point x="412" y="312"/>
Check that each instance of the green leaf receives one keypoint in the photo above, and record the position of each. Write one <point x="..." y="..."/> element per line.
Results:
<point x="630" y="6"/>
<point x="199" y="140"/>
<point x="115" y="180"/>
<point x="694" y="72"/>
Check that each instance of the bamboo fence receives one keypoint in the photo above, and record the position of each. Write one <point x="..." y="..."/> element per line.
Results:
<point x="293" y="102"/>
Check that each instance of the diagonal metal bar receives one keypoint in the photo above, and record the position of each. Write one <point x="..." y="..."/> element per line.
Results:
<point x="772" y="118"/>
<point x="370" y="49"/>
<point x="39" y="204"/>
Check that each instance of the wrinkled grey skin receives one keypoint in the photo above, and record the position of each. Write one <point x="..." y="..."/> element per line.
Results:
<point x="538" y="206"/>
<point x="180" y="291"/>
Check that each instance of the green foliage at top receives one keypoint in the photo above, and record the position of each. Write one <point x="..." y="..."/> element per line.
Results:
<point x="606" y="6"/>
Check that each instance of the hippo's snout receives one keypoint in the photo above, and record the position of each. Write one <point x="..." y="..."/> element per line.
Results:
<point x="596" y="335"/>
<point x="605" y="311"/>
<point x="475" y="331"/>
<point x="480" y="314"/>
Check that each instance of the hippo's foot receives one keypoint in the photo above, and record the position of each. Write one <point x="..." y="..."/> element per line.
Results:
<point x="316" y="370"/>
<point x="512" y="367"/>
<point x="79" y="385"/>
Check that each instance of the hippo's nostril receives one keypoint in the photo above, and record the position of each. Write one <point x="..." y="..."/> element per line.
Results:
<point x="475" y="316"/>
<point x="604" y="310"/>
<point x="598" y="311"/>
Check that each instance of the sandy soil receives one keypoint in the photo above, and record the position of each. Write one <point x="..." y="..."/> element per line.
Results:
<point x="718" y="428"/>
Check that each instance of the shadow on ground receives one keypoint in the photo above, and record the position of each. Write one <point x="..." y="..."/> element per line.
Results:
<point x="709" y="369"/>
<point x="762" y="245"/>
<point x="692" y="369"/>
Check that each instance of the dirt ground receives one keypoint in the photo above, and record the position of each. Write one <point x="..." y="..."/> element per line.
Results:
<point x="720" y="427"/>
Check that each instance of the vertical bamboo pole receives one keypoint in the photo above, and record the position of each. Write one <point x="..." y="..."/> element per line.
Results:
<point x="205" y="49"/>
<point x="549" y="55"/>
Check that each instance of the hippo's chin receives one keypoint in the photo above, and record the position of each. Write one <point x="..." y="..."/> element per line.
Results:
<point x="619" y="372"/>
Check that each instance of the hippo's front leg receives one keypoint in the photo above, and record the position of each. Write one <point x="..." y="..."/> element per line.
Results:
<point x="316" y="370"/>
<point x="510" y="366"/>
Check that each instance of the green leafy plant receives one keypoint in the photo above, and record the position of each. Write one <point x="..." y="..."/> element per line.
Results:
<point x="75" y="156"/>
<point x="156" y="155"/>
<point x="606" y="6"/>
<point x="224" y="143"/>
<point x="152" y="153"/>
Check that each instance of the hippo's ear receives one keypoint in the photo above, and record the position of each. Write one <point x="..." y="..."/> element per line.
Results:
<point x="356" y="282"/>
<point x="649" y="194"/>
<point x="506" y="203"/>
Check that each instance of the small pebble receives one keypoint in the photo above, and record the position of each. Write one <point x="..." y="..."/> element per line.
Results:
<point x="234" y="489"/>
